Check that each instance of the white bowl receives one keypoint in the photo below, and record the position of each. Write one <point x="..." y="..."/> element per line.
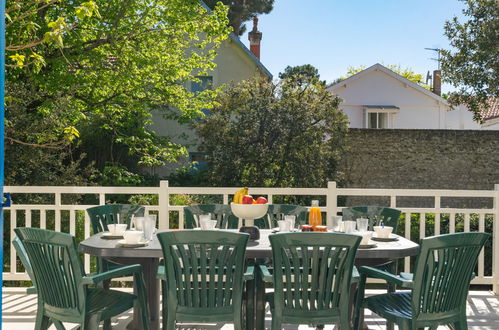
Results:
<point x="249" y="211"/>
<point x="383" y="232"/>
<point x="133" y="236"/>
<point x="117" y="229"/>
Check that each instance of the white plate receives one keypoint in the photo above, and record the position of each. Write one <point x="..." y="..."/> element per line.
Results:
<point x="107" y="234"/>
<point x="139" y="244"/>
<point x="276" y="230"/>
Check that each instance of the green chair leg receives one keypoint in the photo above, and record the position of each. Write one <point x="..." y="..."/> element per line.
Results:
<point x="42" y="322"/>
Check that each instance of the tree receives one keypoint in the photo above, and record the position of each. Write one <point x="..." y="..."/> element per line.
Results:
<point x="301" y="73"/>
<point x="93" y="91"/>
<point x="273" y="134"/>
<point x="241" y="11"/>
<point x="473" y="64"/>
<point x="407" y="73"/>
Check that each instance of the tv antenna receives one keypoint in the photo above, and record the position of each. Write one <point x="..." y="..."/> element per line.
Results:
<point x="438" y="56"/>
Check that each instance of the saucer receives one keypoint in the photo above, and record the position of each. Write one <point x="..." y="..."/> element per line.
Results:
<point x="276" y="230"/>
<point x="108" y="235"/>
<point x="367" y="246"/>
<point x="391" y="238"/>
<point x="139" y="244"/>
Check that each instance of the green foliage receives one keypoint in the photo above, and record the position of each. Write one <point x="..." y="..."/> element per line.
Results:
<point x="301" y="74"/>
<point x="106" y="66"/>
<point x="407" y="73"/>
<point x="472" y="64"/>
<point x="241" y="11"/>
<point x="279" y="135"/>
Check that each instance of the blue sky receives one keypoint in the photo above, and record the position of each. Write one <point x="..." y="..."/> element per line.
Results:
<point x="335" y="34"/>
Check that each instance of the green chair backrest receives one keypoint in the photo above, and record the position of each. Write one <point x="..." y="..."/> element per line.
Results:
<point x="56" y="269"/>
<point x="204" y="268"/>
<point x="220" y="212"/>
<point x="101" y="216"/>
<point x="389" y="216"/>
<point x="312" y="271"/>
<point x="277" y="212"/>
<point x="442" y="274"/>
<point x="21" y="253"/>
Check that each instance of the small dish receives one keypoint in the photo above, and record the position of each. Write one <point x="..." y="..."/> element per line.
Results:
<point x="276" y="230"/>
<point x="367" y="246"/>
<point x="123" y="243"/>
<point x="391" y="238"/>
<point x="108" y="235"/>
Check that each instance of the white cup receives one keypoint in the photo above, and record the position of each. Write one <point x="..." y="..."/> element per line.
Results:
<point x="207" y="224"/>
<point x="349" y="226"/>
<point x="366" y="236"/>
<point x="117" y="229"/>
<point x="291" y="219"/>
<point x="383" y="232"/>
<point x="284" y="226"/>
<point x="133" y="236"/>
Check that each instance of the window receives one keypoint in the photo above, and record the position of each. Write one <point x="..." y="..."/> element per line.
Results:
<point x="377" y="120"/>
<point x="206" y="82"/>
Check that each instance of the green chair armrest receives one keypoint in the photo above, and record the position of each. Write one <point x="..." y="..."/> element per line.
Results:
<point x="366" y="271"/>
<point x="31" y="290"/>
<point x="407" y="276"/>
<point x="115" y="273"/>
<point x="264" y="272"/>
<point x="355" y="275"/>
<point x="249" y="274"/>
<point x="161" y="273"/>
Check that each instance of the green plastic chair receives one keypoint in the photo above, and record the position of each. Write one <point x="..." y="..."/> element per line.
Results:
<point x="312" y="274"/>
<point x="21" y="253"/>
<point x="202" y="280"/>
<point x="442" y="275"/>
<point x="64" y="290"/>
<point x="376" y="214"/>
<point x="102" y="215"/>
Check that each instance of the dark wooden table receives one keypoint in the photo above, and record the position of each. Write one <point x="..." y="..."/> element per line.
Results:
<point x="149" y="256"/>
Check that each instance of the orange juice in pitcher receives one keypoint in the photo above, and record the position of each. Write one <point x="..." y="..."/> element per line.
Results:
<point x="314" y="215"/>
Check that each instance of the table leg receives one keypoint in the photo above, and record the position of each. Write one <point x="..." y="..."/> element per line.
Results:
<point x="250" y="304"/>
<point x="259" y="302"/>
<point x="149" y="268"/>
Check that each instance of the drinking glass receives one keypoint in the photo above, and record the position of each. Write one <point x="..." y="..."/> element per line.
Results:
<point x="284" y="226"/>
<point x="349" y="226"/>
<point x="362" y="224"/>
<point x="149" y="225"/>
<point x="336" y="223"/>
<point x="138" y="223"/>
<point x="291" y="219"/>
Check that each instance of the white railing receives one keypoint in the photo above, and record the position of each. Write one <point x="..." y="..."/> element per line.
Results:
<point x="25" y="214"/>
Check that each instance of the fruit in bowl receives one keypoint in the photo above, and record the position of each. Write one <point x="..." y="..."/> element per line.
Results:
<point x="247" y="199"/>
<point x="261" y="200"/>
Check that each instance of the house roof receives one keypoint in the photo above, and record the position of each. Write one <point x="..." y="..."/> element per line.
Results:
<point x="492" y="111"/>
<point x="245" y="49"/>
<point x="379" y="67"/>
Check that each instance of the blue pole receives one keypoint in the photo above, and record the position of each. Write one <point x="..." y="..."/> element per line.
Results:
<point x="2" y="116"/>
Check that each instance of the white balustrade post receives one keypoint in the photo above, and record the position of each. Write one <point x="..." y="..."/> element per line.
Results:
<point x="495" y="237"/>
<point x="331" y="203"/>
<point x="164" y="205"/>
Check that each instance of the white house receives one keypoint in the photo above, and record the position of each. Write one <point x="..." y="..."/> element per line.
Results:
<point x="234" y="63"/>
<point x="380" y="98"/>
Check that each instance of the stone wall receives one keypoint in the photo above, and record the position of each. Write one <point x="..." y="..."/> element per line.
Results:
<point x="421" y="159"/>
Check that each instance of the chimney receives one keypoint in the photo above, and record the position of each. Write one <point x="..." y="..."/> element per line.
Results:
<point x="437" y="82"/>
<point x="255" y="37"/>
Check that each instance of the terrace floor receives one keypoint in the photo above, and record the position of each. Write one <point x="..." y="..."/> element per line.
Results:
<point x="19" y="311"/>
